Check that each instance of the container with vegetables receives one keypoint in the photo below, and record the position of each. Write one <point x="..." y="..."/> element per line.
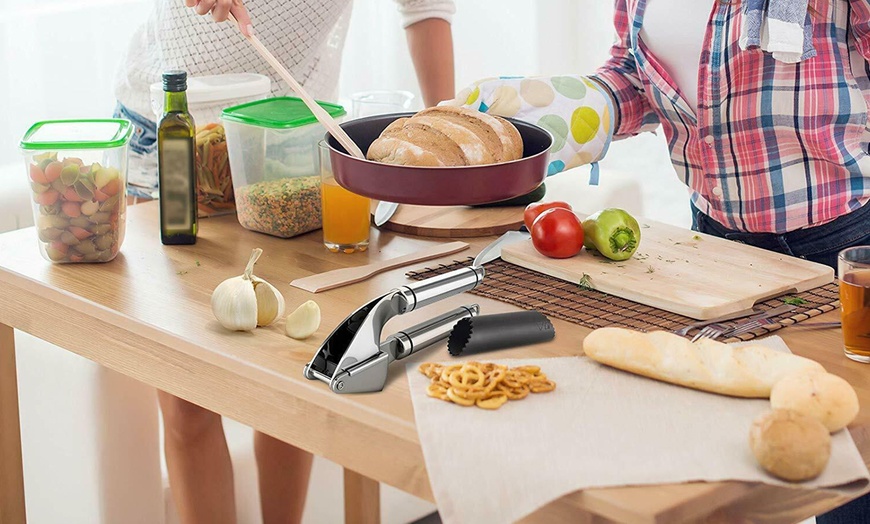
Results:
<point x="77" y="171"/>
<point x="274" y="157"/>
<point x="207" y="97"/>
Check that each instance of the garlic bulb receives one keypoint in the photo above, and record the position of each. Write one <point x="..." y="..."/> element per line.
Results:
<point x="303" y="322"/>
<point x="245" y="302"/>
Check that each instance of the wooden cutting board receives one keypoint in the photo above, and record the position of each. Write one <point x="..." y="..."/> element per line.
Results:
<point x="455" y="221"/>
<point x="681" y="271"/>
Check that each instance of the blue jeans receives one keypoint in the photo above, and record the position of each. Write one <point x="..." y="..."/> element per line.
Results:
<point x="819" y="244"/>
<point x="142" y="160"/>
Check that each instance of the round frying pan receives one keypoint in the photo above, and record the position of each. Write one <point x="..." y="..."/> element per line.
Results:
<point x="438" y="186"/>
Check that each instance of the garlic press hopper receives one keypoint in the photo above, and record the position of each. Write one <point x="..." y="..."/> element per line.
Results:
<point x="354" y="359"/>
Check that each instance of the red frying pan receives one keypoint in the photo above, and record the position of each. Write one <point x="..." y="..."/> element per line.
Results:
<point x="438" y="186"/>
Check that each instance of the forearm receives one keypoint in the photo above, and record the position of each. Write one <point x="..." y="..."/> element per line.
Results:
<point x="430" y="42"/>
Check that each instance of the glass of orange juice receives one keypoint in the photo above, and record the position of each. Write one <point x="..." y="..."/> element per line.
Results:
<point x="346" y="216"/>
<point x="854" y="273"/>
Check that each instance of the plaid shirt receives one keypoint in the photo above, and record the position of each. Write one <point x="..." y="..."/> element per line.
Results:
<point x="774" y="147"/>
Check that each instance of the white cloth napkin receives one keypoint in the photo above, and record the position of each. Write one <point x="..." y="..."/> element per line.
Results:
<point x="600" y="427"/>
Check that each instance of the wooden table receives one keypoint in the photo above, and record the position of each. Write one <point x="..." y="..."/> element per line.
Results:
<point x="147" y="315"/>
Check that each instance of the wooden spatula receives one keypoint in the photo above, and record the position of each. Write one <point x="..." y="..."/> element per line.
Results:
<point x="322" y="116"/>
<point x="352" y="275"/>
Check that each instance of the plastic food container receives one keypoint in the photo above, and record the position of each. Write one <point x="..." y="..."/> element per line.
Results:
<point x="274" y="158"/>
<point x="77" y="170"/>
<point x="207" y="96"/>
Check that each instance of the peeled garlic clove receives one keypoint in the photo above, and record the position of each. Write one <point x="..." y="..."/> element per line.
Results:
<point x="270" y="302"/>
<point x="234" y="304"/>
<point x="303" y="322"/>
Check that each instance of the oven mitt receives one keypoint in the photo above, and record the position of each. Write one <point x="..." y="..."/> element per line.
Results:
<point x="577" y="111"/>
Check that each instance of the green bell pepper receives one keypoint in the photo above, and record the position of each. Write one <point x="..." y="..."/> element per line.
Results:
<point x="612" y="232"/>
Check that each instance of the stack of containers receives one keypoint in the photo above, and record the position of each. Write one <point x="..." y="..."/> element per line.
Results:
<point x="275" y="164"/>
<point x="207" y="96"/>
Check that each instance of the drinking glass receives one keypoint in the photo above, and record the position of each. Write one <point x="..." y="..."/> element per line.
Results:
<point x="854" y="275"/>
<point x="368" y="103"/>
<point x="346" y="216"/>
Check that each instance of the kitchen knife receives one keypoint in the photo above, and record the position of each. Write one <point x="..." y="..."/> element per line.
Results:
<point x="493" y="251"/>
<point x="384" y="212"/>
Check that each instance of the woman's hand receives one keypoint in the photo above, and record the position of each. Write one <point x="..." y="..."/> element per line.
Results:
<point x="220" y="11"/>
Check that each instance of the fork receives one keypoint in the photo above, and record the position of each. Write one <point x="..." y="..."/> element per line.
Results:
<point x="683" y="331"/>
<point x="714" y="331"/>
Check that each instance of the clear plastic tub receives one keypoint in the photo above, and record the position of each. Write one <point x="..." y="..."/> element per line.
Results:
<point x="207" y="96"/>
<point x="274" y="159"/>
<point x="77" y="171"/>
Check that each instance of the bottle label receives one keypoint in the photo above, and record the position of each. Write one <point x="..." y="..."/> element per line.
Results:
<point x="176" y="179"/>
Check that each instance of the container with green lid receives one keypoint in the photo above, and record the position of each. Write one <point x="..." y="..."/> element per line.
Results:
<point x="272" y="146"/>
<point x="77" y="170"/>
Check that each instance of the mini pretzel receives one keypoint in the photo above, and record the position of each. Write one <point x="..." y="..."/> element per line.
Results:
<point x="543" y="386"/>
<point x="437" y="390"/>
<point x="516" y="379"/>
<point x="494" y="402"/>
<point x="466" y="376"/>
<point x="447" y="370"/>
<point x="513" y="393"/>
<point x="431" y="370"/>
<point x="455" y="397"/>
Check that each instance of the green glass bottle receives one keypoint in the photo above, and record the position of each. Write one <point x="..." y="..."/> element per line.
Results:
<point x="176" y="134"/>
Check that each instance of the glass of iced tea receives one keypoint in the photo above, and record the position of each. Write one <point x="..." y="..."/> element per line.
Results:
<point x="854" y="273"/>
<point x="346" y="216"/>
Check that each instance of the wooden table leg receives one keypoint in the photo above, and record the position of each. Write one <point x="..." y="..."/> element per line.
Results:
<point x="11" y="471"/>
<point x="362" y="499"/>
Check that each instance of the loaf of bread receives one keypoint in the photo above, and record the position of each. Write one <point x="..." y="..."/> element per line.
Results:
<point x="790" y="445"/>
<point x="823" y="396"/>
<point x="708" y="365"/>
<point x="447" y="136"/>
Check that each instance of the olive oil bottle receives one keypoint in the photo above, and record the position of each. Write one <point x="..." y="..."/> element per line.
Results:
<point x="176" y="169"/>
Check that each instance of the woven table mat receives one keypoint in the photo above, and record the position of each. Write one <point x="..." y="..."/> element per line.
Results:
<point x="593" y="309"/>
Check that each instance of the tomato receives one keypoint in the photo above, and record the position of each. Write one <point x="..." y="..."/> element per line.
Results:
<point x="557" y="233"/>
<point x="535" y="209"/>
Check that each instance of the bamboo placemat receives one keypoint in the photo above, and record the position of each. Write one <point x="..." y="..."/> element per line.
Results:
<point x="593" y="309"/>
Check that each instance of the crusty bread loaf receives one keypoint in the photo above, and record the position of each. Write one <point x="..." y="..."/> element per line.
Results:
<point x="749" y="371"/>
<point x="447" y="136"/>
<point x="823" y="396"/>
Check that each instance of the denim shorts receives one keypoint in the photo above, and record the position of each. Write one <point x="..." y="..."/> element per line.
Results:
<point x="142" y="160"/>
<point x="819" y="244"/>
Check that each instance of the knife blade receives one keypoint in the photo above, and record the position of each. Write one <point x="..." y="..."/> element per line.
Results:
<point x="384" y="212"/>
<point x="493" y="251"/>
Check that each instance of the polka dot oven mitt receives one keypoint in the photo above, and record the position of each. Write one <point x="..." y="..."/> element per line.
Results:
<point x="575" y="110"/>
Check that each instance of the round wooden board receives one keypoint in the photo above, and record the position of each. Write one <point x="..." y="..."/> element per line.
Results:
<point x="454" y="222"/>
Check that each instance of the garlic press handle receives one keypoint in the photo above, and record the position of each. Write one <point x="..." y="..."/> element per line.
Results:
<point x="409" y="341"/>
<point x="431" y="290"/>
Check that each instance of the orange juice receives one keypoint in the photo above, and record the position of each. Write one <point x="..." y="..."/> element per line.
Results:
<point x="346" y="218"/>
<point x="855" y="303"/>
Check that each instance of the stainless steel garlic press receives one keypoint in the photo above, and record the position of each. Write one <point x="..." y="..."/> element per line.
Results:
<point x="354" y="359"/>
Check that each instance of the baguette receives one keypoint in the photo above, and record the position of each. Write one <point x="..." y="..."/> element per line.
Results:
<point x="708" y="365"/>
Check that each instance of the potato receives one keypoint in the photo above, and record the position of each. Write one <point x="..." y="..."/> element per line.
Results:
<point x="790" y="445"/>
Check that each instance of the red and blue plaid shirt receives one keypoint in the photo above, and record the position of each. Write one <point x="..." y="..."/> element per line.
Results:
<point x="774" y="147"/>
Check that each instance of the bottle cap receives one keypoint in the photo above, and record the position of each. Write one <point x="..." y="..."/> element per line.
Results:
<point x="174" y="81"/>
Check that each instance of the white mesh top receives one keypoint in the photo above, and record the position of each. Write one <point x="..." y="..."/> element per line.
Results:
<point x="305" y="35"/>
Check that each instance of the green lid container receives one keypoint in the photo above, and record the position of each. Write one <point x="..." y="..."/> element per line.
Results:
<point x="278" y="113"/>
<point x="77" y="134"/>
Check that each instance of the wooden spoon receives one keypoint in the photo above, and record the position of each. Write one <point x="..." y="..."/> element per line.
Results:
<point x="322" y="116"/>
<point x="351" y="275"/>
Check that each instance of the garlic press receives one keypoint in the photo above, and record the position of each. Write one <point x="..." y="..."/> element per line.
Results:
<point x="354" y="359"/>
